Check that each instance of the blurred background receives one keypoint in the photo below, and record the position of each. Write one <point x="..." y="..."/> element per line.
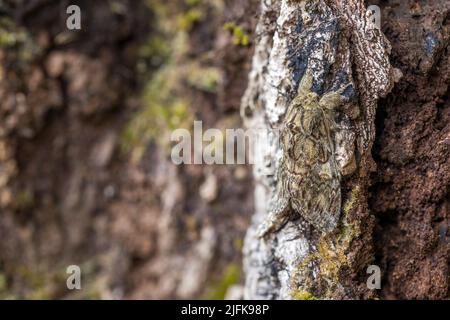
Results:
<point x="85" y="171"/>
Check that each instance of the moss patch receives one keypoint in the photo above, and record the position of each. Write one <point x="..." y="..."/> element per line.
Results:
<point x="303" y="295"/>
<point x="219" y="288"/>
<point x="352" y="200"/>
<point x="331" y="256"/>
<point x="240" y="38"/>
<point x="12" y="37"/>
<point x="24" y="200"/>
<point x="166" y="98"/>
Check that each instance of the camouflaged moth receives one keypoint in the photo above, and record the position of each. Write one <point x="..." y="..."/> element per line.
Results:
<point x="308" y="177"/>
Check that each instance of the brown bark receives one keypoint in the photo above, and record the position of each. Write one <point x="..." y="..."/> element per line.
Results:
<point x="141" y="227"/>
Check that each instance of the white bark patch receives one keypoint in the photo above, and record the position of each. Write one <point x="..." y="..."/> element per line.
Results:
<point x="278" y="83"/>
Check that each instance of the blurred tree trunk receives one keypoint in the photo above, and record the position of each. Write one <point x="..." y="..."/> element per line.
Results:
<point x="338" y="43"/>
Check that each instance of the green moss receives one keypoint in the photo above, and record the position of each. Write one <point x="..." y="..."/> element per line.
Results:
<point x="34" y="278"/>
<point x="155" y="50"/>
<point x="203" y="78"/>
<point x="303" y="295"/>
<point x="239" y="36"/>
<point x="193" y="2"/>
<point x="37" y="283"/>
<point x="5" y="294"/>
<point x="163" y="108"/>
<point x="171" y="77"/>
<point x="238" y="244"/>
<point x="7" y="35"/>
<point x="3" y="287"/>
<point x="163" y="111"/>
<point x="92" y="294"/>
<point x="195" y="12"/>
<point x="7" y="39"/>
<point x="24" y="200"/>
<point x="2" y="282"/>
<point x="332" y="250"/>
<point x="219" y="288"/>
<point x="186" y="20"/>
<point x="40" y="294"/>
<point x="17" y="41"/>
<point x="331" y="257"/>
<point x="352" y="200"/>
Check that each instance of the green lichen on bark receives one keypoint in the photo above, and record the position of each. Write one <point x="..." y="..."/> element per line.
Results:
<point x="303" y="295"/>
<point x="331" y="258"/>
<point x="352" y="200"/>
<point x="240" y="38"/>
<point x="166" y="98"/>
<point x="320" y="272"/>
<point x="219" y="287"/>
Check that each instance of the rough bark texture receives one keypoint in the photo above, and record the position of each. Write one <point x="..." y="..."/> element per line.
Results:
<point x="83" y="178"/>
<point x="410" y="193"/>
<point x="86" y="176"/>
<point x="394" y="210"/>
<point x="335" y="41"/>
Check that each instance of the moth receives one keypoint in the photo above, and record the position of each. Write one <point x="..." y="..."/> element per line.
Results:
<point x="308" y="175"/>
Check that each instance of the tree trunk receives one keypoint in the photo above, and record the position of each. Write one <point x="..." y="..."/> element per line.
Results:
<point x="337" y="43"/>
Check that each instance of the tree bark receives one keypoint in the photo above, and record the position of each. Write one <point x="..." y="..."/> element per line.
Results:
<point x="335" y="41"/>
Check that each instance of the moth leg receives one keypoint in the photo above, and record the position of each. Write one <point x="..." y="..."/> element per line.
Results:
<point x="279" y="211"/>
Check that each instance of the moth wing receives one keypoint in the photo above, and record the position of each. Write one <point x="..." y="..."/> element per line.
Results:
<point x="331" y="100"/>
<point x="279" y="207"/>
<point x="319" y="203"/>
<point x="327" y="207"/>
<point x="279" y="212"/>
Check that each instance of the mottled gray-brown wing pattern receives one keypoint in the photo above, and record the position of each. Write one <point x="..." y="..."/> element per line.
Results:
<point x="308" y="177"/>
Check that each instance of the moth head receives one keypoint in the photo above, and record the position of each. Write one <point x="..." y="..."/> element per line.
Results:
<point x="306" y="97"/>
<point x="310" y="101"/>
